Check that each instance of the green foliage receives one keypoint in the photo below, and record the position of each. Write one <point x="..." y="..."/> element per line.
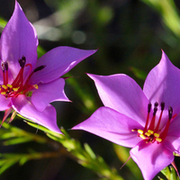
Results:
<point x="168" y="13"/>
<point x="9" y="159"/>
<point x="170" y="173"/>
<point x="138" y="73"/>
<point x="2" y="22"/>
<point x="85" y="156"/>
<point x="40" y="51"/>
<point x="12" y="135"/>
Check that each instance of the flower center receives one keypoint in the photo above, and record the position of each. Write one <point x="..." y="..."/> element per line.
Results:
<point x="19" y="85"/>
<point x="152" y="131"/>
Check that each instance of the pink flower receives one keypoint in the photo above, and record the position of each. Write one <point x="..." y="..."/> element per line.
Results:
<point x="28" y="85"/>
<point x="147" y="120"/>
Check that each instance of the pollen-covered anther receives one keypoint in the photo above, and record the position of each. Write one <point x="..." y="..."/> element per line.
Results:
<point x="149" y="132"/>
<point x="4" y="86"/>
<point x="35" y="86"/>
<point x="140" y="131"/>
<point x="142" y="136"/>
<point x="159" y="140"/>
<point x="15" y="89"/>
<point x="9" y="86"/>
<point x="156" y="135"/>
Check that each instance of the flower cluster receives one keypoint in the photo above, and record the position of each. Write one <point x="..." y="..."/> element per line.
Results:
<point x="147" y="120"/>
<point x="28" y="85"/>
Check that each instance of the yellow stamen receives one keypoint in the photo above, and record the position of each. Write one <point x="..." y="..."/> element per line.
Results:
<point x="16" y="89"/>
<point x="142" y="136"/>
<point x="3" y="93"/>
<point x="147" y="134"/>
<point x="9" y="85"/>
<point x="156" y="135"/>
<point x="140" y="131"/>
<point x="36" y="86"/>
<point x="158" y="139"/>
<point x="4" y="86"/>
<point x="150" y="131"/>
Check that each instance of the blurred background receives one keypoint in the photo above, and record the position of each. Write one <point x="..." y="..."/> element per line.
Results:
<point x="129" y="36"/>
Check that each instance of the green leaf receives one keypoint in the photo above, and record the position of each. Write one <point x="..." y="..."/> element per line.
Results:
<point x="89" y="151"/>
<point x="40" y="51"/>
<point x="2" y="22"/>
<point x="17" y="141"/>
<point x="138" y="73"/>
<point x="170" y="173"/>
<point x="168" y="12"/>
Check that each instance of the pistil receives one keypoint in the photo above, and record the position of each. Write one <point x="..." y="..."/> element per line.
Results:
<point x="152" y="124"/>
<point x="162" y="109"/>
<point x="147" y="120"/>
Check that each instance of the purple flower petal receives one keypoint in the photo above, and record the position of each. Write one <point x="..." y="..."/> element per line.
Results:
<point x="45" y="118"/>
<point x="151" y="158"/>
<point x="172" y="143"/>
<point x="5" y="103"/>
<point x="122" y="93"/>
<point x="47" y="93"/>
<point x="57" y="62"/>
<point x="113" y="126"/>
<point x="18" y="39"/>
<point x="163" y="84"/>
<point x="172" y="140"/>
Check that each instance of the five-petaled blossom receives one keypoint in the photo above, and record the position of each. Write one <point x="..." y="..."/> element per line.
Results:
<point x="147" y="120"/>
<point x="28" y="85"/>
